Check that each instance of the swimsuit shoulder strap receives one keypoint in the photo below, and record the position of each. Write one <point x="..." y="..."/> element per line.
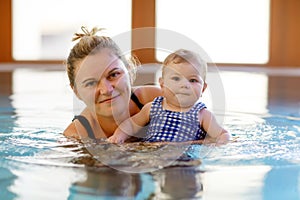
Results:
<point x="85" y="123"/>
<point x="136" y="101"/>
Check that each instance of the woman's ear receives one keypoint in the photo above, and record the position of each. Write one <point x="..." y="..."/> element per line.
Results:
<point x="204" y="87"/>
<point x="75" y="92"/>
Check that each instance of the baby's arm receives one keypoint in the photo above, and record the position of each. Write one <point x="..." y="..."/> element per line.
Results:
<point x="131" y="125"/>
<point x="212" y="127"/>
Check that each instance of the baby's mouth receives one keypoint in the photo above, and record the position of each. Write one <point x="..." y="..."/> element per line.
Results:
<point x="186" y="94"/>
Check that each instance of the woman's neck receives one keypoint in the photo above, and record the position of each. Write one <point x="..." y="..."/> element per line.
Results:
<point x="110" y="124"/>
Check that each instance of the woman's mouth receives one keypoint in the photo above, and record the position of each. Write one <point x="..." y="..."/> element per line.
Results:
<point x="108" y="100"/>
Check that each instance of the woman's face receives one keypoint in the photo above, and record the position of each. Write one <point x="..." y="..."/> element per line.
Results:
<point x="102" y="82"/>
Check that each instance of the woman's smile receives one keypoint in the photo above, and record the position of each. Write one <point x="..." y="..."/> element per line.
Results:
<point x="108" y="100"/>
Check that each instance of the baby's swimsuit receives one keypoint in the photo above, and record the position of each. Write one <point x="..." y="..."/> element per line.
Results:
<point x="166" y="125"/>
<point x="85" y="123"/>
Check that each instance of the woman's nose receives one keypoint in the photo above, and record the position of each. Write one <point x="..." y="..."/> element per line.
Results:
<point x="105" y="87"/>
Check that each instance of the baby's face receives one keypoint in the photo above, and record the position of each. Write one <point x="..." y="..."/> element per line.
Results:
<point x="182" y="84"/>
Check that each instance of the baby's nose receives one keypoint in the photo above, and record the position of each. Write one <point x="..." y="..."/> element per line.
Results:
<point x="184" y="83"/>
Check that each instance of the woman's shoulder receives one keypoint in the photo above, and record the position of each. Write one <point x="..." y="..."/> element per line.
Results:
<point x="71" y="131"/>
<point x="75" y="126"/>
<point x="147" y="93"/>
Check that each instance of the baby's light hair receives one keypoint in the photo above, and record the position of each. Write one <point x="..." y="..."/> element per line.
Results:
<point x="187" y="56"/>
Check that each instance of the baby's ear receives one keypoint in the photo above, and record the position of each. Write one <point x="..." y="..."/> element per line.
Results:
<point x="161" y="82"/>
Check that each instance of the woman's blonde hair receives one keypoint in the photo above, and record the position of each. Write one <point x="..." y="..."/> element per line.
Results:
<point x="89" y="44"/>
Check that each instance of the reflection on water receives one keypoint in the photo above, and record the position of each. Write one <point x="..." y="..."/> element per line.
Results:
<point x="178" y="183"/>
<point x="143" y="157"/>
<point x="37" y="162"/>
<point x="234" y="182"/>
<point x="285" y="180"/>
<point x="110" y="183"/>
<point x="6" y="180"/>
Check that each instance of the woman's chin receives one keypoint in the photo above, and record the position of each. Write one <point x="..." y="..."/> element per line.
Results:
<point x="114" y="109"/>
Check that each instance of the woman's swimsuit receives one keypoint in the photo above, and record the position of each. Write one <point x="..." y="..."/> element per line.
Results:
<point x="136" y="101"/>
<point x="85" y="123"/>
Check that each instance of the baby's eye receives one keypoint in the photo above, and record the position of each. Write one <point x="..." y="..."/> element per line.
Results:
<point x="194" y="80"/>
<point x="175" y="78"/>
<point x="90" y="84"/>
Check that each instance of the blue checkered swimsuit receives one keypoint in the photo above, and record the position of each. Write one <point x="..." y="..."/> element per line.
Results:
<point x="166" y="125"/>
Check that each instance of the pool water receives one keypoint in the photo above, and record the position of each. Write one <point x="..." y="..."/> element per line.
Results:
<point x="262" y="162"/>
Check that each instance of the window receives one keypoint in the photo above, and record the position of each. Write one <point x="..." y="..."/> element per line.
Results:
<point x="229" y="31"/>
<point x="42" y="30"/>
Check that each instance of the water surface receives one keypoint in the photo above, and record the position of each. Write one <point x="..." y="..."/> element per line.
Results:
<point x="37" y="162"/>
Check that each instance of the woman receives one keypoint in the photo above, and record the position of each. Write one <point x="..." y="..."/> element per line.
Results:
<point x="101" y="77"/>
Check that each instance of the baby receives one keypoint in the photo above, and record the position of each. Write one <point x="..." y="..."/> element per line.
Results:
<point x="178" y="115"/>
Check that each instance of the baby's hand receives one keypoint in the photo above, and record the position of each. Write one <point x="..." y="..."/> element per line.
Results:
<point x="224" y="138"/>
<point x="117" y="138"/>
<point x="114" y="139"/>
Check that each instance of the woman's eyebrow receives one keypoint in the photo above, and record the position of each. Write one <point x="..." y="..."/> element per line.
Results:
<point x="89" y="79"/>
<point x="115" y="69"/>
<point x="109" y="72"/>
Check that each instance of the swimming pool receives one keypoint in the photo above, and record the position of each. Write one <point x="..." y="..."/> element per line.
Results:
<point x="262" y="112"/>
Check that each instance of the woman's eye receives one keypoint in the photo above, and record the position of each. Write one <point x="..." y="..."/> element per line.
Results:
<point x="113" y="75"/>
<point x="90" y="84"/>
